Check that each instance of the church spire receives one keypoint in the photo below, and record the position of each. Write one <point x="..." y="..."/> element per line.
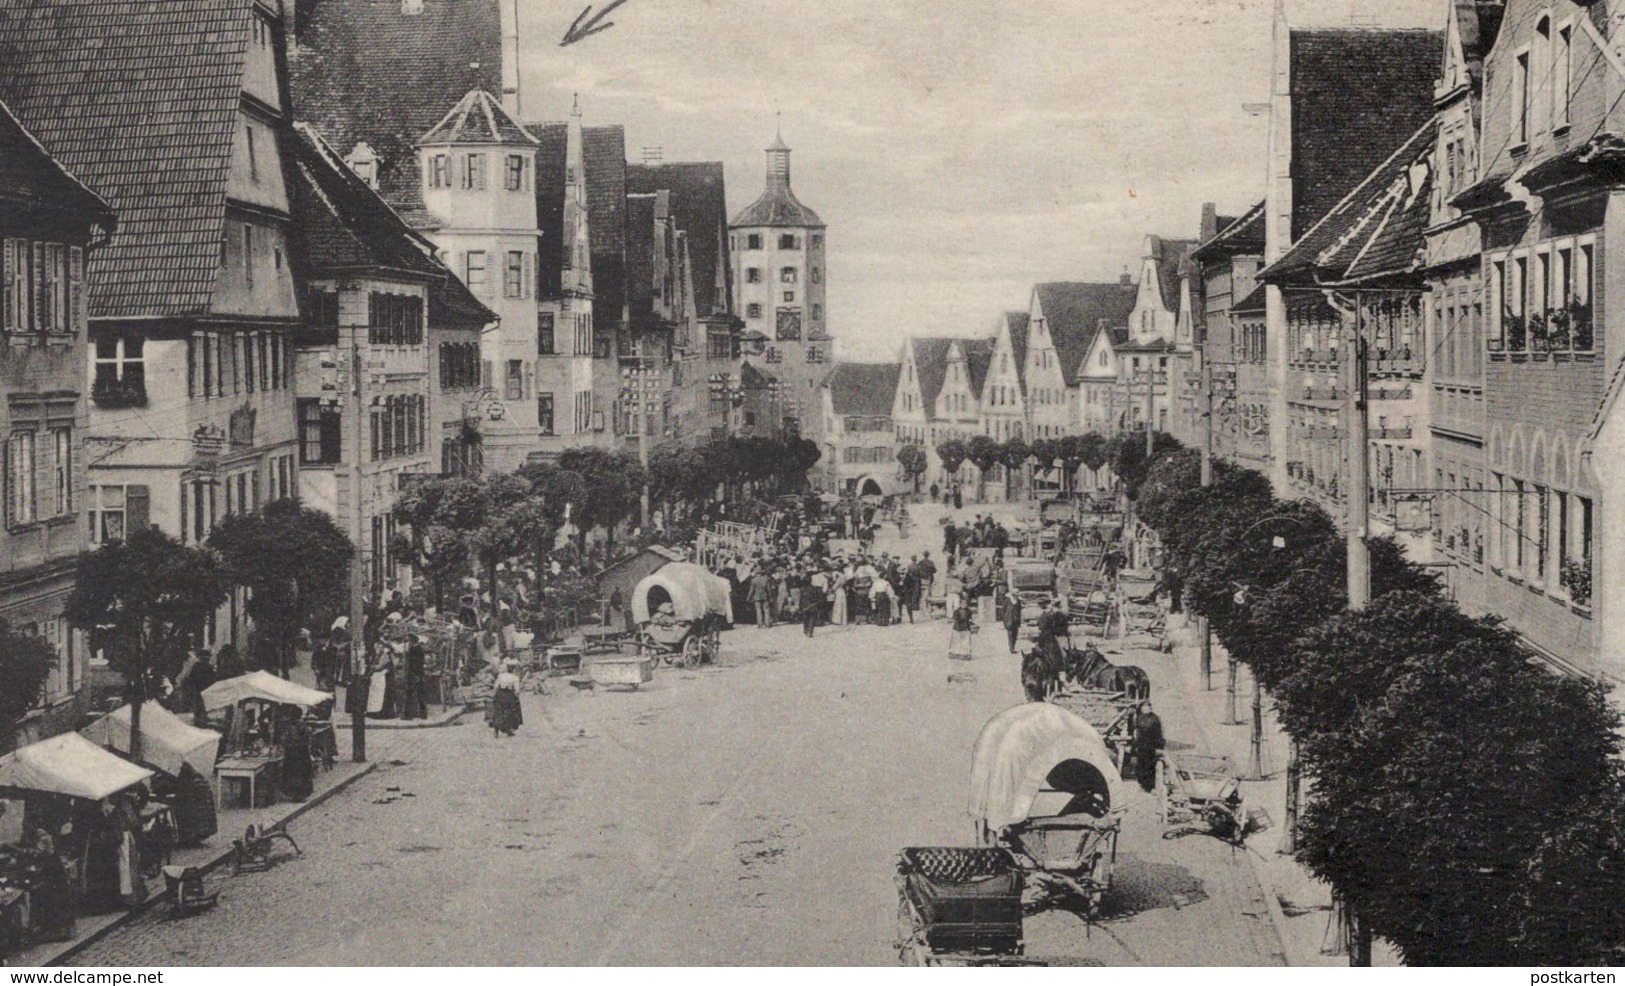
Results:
<point x="778" y="158"/>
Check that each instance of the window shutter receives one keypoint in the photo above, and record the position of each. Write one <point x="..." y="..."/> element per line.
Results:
<point x="77" y="289"/>
<point x="525" y="267"/>
<point x="138" y="508"/>
<point x="485" y="374"/>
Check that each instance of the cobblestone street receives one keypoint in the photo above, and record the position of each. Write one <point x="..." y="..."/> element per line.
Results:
<point x="746" y="814"/>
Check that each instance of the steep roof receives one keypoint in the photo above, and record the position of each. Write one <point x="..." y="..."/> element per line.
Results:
<point x="1357" y="94"/>
<point x="930" y="365"/>
<point x="552" y="151"/>
<point x="1074" y="311"/>
<point x="366" y="72"/>
<point x="452" y="305"/>
<point x="863" y="388"/>
<point x="603" y="157"/>
<point x="699" y="204"/>
<point x="1377" y="228"/>
<point x="29" y="174"/>
<point x="343" y="222"/>
<point x="978" y="359"/>
<point x="640" y="261"/>
<point x="140" y="102"/>
<point x="1242" y="235"/>
<point x="1170" y="257"/>
<point x="1018" y="323"/>
<point x="477" y="119"/>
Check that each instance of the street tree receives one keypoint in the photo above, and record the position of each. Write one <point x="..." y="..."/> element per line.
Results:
<point x="25" y="664"/>
<point x="913" y="461"/>
<point x="1013" y="454"/>
<point x="952" y="454"/>
<point x="295" y="564"/>
<point x="984" y="453"/>
<point x="439" y="513"/>
<point x="143" y="601"/>
<point x="614" y="485"/>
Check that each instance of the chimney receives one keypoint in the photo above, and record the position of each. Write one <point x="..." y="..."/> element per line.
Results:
<point x="510" y="59"/>
<point x="1126" y="280"/>
<point x="1210" y="222"/>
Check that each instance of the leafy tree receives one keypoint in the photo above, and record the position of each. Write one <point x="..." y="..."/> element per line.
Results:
<point x="439" y="513"/>
<point x="984" y="453"/>
<point x="1014" y="454"/>
<point x="953" y="453"/>
<point x="914" y="462"/>
<point x="614" y="486"/>
<point x="142" y="601"/>
<point x="506" y="529"/>
<point x="25" y="664"/>
<point x="294" y="561"/>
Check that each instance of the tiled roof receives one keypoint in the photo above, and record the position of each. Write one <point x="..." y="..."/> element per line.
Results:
<point x="1075" y="311"/>
<point x="140" y="102"/>
<point x="930" y="365"/>
<point x="778" y="206"/>
<point x="1018" y="323"/>
<point x="1253" y="303"/>
<point x="552" y="150"/>
<point x="343" y="223"/>
<point x="863" y="388"/>
<point x="699" y="204"/>
<point x="452" y="305"/>
<point x="603" y="153"/>
<point x="1241" y="235"/>
<point x="366" y="72"/>
<point x="477" y="119"/>
<point x="1171" y="256"/>
<point x="978" y="359"/>
<point x="1357" y="94"/>
<point x="1377" y="227"/>
<point x="29" y="174"/>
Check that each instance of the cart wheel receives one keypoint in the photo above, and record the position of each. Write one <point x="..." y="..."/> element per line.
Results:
<point x="691" y="655"/>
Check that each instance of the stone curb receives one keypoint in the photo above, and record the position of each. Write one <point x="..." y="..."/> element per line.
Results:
<point x="69" y="949"/>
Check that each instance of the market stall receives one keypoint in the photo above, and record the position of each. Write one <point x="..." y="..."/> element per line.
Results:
<point x="89" y="835"/>
<point x="272" y="739"/>
<point x="183" y="755"/>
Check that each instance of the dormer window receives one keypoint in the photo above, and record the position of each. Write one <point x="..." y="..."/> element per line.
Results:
<point x="514" y="179"/>
<point x="1562" y="71"/>
<point x="474" y="174"/>
<point x="364" y="162"/>
<point x="439" y="171"/>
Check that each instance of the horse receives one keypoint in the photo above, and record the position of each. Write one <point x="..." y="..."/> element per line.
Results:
<point x="1090" y="669"/>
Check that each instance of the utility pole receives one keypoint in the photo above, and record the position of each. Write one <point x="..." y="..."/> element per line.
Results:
<point x="1150" y="409"/>
<point x="358" y="642"/>
<point x="1356" y="427"/>
<point x="1205" y="632"/>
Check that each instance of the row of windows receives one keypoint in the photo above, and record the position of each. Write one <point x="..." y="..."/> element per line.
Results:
<point x="394" y="319"/>
<point x="41" y="287"/>
<point x="1542" y="299"/>
<point x="459" y="365"/>
<point x="787" y="241"/>
<point x="1543" y="80"/>
<point x="468" y="172"/>
<point x="205" y="499"/>
<point x="244" y="247"/>
<point x="754" y="310"/>
<point x="867" y="454"/>
<point x="1541" y="532"/>
<point x="862" y="423"/>
<point x="1001" y="395"/>
<point x="399" y="426"/>
<point x="215" y="361"/>
<point x="787" y="275"/>
<point x="518" y="273"/>
<point x="23" y="468"/>
<point x="581" y="343"/>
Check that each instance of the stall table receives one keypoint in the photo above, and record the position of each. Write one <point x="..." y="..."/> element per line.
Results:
<point x="247" y="769"/>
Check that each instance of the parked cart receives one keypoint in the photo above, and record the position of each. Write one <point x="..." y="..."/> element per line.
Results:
<point x="680" y="611"/>
<point x="959" y="906"/>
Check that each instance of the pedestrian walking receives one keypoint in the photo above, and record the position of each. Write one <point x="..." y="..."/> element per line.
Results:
<point x="505" y="714"/>
<point x="936" y="493"/>
<point x="908" y="595"/>
<point x="962" y="638"/>
<point x="928" y="575"/>
<point x="1148" y="745"/>
<point x="959" y="497"/>
<point x="761" y="588"/>
<point x="812" y="600"/>
<point x="1012" y="619"/>
<point x="413" y="704"/>
<point x="950" y="540"/>
<point x="883" y="598"/>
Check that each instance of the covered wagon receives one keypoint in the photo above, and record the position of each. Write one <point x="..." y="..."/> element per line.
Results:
<point x="680" y="611"/>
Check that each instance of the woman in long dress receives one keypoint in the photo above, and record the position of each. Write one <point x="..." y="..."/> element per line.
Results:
<point x="841" y="579"/>
<point x="506" y="716"/>
<point x="298" y="770"/>
<point x="962" y="639"/>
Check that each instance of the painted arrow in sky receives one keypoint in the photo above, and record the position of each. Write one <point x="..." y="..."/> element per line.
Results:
<point x="586" y="25"/>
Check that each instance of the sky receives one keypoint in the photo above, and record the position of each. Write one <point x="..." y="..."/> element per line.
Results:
<point x="959" y="150"/>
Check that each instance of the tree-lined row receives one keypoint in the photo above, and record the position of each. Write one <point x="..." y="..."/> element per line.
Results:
<point x="1124" y="453"/>
<point x="1466" y="805"/>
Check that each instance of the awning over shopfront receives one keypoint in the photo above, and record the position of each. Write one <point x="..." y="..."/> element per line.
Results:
<point x="69" y="765"/>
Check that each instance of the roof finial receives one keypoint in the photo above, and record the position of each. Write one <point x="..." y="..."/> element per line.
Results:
<point x="575" y="104"/>
<point x="778" y="125"/>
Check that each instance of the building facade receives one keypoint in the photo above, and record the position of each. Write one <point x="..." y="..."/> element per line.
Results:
<point x="859" y="443"/>
<point x="780" y="288"/>
<point x="49" y="224"/>
<point x="1063" y="320"/>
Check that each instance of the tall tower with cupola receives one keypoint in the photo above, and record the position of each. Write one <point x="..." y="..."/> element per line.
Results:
<point x="479" y="172"/>
<point x="779" y="286"/>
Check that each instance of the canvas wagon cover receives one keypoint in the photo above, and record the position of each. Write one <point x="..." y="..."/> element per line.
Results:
<point x="1016" y="752"/>
<point x="261" y="685"/>
<point x="166" y="740"/>
<point x="69" y="764"/>
<point x="694" y="592"/>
